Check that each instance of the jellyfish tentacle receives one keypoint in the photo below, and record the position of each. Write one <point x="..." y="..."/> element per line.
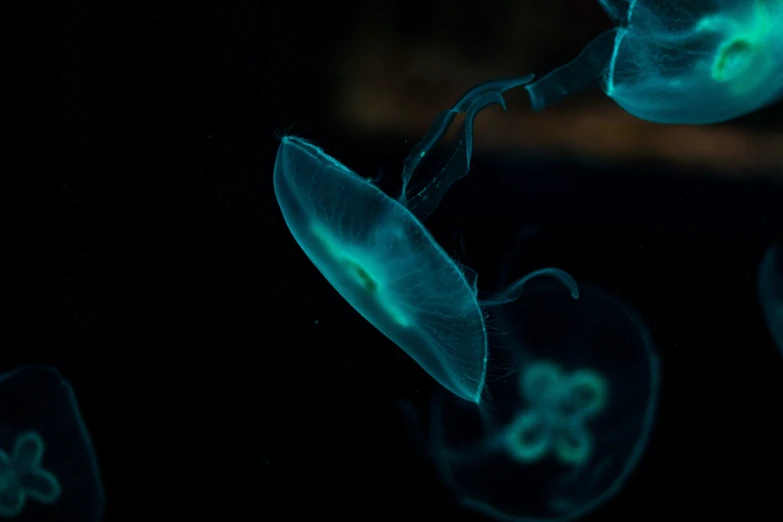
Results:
<point x="514" y="291"/>
<point x="423" y="197"/>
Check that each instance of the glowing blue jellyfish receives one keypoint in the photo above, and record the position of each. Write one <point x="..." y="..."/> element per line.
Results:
<point x="567" y="410"/>
<point x="770" y="289"/>
<point x="694" y="61"/>
<point x="48" y="469"/>
<point x="377" y="254"/>
<point x="547" y="425"/>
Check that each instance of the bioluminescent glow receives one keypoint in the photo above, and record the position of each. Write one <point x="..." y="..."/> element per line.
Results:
<point x="378" y="255"/>
<point x="700" y="61"/>
<point x="48" y="468"/>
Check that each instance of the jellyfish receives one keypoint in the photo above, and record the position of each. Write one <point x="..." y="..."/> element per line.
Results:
<point x="548" y="424"/>
<point x="568" y="406"/>
<point x="770" y="290"/>
<point x="690" y="62"/>
<point x="375" y="251"/>
<point x="48" y="469"/>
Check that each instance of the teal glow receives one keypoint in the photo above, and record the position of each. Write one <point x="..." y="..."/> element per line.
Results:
<point x="376" y="253"/>
<point x="48" y="469"/>
<point x="770" y="290"/>
<point x="22" y="476"/>
<point x="543" y="419"/>
<point x="559" y="404"/>
<point x="690" y="62"/>
<point x="571" y="393"/>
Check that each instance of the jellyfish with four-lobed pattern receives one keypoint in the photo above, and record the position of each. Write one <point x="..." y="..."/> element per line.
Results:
<point x="570" y="397"/>
<point x="770" y="291"/>
<point x="672" y="61"/>
<point x="48" y="468"/>
<point x="548" y="423"/>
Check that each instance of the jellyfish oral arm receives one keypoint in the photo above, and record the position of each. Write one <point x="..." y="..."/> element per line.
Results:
<point x="586" y="71"/>
<point x="422" y="198"/>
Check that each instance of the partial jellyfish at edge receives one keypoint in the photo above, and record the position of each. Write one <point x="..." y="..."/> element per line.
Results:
<point x="695" y="62"/>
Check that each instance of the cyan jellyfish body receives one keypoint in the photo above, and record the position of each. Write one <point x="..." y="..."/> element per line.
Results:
<point x="546" y="426"/>
<point x="673" y="61"/>
<point x="48" y="469"/>
<point x="568" y="406"/>
<point x="770" y="290"/>
<point x="377" y="254"/>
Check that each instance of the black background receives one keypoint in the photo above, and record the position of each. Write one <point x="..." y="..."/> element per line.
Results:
<point x="218" y="372"/>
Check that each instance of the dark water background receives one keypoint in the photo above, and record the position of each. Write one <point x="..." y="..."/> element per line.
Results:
<point x="219" y="374"/>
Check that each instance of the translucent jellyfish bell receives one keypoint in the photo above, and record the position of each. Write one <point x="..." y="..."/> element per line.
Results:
<point x="694" y="61"/>
<point x="48" y="469"/>
<point x="568" y="406"/>
<point x="377" y="254"/>
<point x="770" y="290"/>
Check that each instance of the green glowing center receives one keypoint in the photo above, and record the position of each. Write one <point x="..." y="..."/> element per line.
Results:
<point x="732" y="60"/>
<point x="344" y="258"/>
<point x="364" y="277"/>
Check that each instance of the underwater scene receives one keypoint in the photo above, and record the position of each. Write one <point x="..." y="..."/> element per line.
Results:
<point x="513" y="261"/>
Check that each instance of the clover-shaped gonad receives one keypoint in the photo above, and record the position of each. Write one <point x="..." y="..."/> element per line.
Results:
<point x="21" y="476"/>
<point x="558" y="406"/>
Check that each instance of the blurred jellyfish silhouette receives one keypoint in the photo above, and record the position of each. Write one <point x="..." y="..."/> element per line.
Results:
<point x="570" y="397"/>
<point x="770" y="290"/>
<point x="692" y="62"/>
<point x="376" y="253"/>
<point x="48" y="469"/>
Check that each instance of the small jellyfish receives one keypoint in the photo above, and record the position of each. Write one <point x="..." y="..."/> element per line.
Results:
<point x="689" y="62"/>
<point x="376" y="253"/>
<point x="48" y="469"/>
<point x="770" y="290"/>
<point x="569" y="401"/>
